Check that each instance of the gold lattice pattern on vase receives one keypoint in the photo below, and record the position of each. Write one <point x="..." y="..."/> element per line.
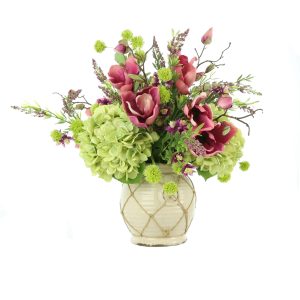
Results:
<point x="151" y="216"/>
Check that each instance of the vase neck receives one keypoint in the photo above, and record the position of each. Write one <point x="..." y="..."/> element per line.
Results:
<point x="166" y="169"/>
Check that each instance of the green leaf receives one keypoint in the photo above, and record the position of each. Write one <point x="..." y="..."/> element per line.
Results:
<point x="135" y="77"/>
<point x="120" y="58"/>
<point x="226" y="130"/>
<point x="205" y="174"/>
<point x="136" y="86"/>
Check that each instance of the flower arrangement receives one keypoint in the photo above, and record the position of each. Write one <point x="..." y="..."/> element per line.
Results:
<point x="177" y="115"/>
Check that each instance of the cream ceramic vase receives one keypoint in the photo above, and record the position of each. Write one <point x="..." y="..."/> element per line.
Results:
<point x="155" y="219"/>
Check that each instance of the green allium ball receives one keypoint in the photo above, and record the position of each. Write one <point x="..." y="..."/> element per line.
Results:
<point x="56" y="135"/>
<point x="164" y="74"/>
<point x="112" y="146"/>
<point x="152" y="174"/>
<point x="170" y="188"/>
<point x="127" y="35"/>
<point x="165" y="94"/>
<point x="99" y="46"/>
<point x="223" y="163"/>
<point x="224" y="178"/>
<point x="137" y="42"/>
<point x="244" y="165"/>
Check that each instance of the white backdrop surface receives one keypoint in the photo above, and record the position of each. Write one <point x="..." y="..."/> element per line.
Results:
<point x="61" y="234"/>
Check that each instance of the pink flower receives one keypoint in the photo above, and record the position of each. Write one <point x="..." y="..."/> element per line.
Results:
<point x="187" y="74"/>
<point x="118" y="75"/>
<point x="142" y="108"/>
<point x="88" y="112"/>
<point x="121" y="48"/>
<point x="214" y="140"/>
<point x="207" y="37"/>
<point x="199" y="114"/>
<point x="225" y="101"/>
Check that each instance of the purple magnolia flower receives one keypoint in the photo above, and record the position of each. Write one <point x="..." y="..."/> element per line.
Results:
<point x="188" y="169"/>
<point x="104" y="101"/>
<point x="177" y="126"/>
<point x="142" y="108"/>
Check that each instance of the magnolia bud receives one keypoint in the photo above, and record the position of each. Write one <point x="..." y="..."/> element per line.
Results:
<point x="209" y="68"/>
<point x="207" y="37"/>
<point x="79" y="106"/>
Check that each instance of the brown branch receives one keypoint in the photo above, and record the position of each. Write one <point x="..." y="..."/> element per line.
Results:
<point x="214" y="61"/>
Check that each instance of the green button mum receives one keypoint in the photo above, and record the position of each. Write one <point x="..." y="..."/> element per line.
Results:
<point x="112" y="146"/>
<point x="99" y="46"/>
<point x="170" y="188"/>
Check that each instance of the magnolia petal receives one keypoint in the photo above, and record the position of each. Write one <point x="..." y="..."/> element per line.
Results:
<point x="225" y="102"/>
<point x="116" y="74"/>
<point x="221" y="135"/>
<point x="145" y="103"/>
<point x="151" y="119"/>
<point x="199" y="99"/>
<point x="135" y="121"/>
<point x="186" y="110"/>
<point x="154" y="92"/>
<point x="182" y="87"/>
<point x="131" y="66"/>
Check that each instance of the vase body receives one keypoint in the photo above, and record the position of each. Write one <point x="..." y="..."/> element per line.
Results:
<point x="155" y="219"/>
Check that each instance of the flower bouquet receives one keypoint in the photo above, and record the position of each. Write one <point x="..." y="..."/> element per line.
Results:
<point x="153" y="130"/>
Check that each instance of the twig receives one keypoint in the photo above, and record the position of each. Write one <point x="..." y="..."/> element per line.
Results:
<point x="214" y="61"/>
<point x="199" y="56"/>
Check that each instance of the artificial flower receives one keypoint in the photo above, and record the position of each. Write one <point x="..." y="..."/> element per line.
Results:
<point x="177" y="126"/>
<point x="214" y="140"/>
<point x="187" y="74"/>
<point x="225" y="101"/>
<point x="112" y="146"/>
<point x="199" y="114"/>
<point x="142" y="108"/>
<point x="152" y="174"/>
<point x="207" y="37"/>
<point x="118" y="75"/>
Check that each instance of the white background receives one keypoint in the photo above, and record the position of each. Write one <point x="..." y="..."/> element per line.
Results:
<point x="61" y="233"/>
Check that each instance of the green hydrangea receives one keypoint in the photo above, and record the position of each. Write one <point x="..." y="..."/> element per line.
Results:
<point x="170" y="188"/>
<point x="164" y="74"/>
<point x="222" y="164"/>
<point x="137" y="42"/>
<point x="244" y="165"/>
<point x="165" y="94"/>
<point x="99" y="46"/>
<point x="56" y="135"/>
<point x="76" y="127"/>
<point x="112" y="146"/>
<point x="152" y="174"/>
<point x="127" y="35"/>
